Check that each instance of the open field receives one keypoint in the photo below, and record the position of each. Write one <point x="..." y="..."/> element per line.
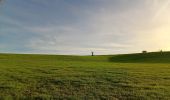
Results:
<point x="117" y="77"/>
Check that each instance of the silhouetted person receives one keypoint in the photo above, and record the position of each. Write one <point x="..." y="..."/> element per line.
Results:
<point x="161" y="51"/>
<point x="92" y="53"/>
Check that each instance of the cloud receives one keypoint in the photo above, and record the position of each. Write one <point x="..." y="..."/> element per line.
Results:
<point x="103" y="26"/>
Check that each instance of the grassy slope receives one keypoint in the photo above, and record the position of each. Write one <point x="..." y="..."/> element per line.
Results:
<point x="84" y="77"/>
<point x="153" y="57"/>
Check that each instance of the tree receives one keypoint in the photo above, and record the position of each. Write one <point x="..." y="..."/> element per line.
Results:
<point x="144" y="51"/>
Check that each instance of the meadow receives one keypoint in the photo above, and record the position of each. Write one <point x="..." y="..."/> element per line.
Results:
<point x="107" y="77"/>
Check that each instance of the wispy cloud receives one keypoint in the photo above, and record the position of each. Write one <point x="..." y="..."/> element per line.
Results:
<point x="161" y="6"/>
<point x="74" y="27"/>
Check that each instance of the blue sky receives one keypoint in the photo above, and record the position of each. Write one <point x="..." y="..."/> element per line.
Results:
<point x="82" y="26"/>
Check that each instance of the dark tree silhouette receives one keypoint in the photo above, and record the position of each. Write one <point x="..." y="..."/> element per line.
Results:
<point x="144" y="51"/>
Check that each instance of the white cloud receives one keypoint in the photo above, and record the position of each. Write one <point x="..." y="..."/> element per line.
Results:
<point x="107" y="26"/>
<point x="105" y="29"/>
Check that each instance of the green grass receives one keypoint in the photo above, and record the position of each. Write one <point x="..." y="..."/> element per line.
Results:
<point x="153" y="57"/>
<point x="116" y="77"/>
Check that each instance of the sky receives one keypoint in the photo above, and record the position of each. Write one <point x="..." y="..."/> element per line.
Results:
<point x="81" y="26"/>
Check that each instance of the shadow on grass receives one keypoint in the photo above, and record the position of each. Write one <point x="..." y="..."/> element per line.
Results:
<point x="153" y="57"/>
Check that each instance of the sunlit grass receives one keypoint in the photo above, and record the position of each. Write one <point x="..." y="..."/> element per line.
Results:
<point x="81" y="77"/>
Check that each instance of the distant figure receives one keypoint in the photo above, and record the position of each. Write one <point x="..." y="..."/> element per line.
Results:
<point x="144" y="51"/>
<point x="161" y="51"/>
<point x="92" y="53"/>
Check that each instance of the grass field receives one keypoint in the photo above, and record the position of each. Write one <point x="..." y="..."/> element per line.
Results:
<point x="117" y="77"/>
